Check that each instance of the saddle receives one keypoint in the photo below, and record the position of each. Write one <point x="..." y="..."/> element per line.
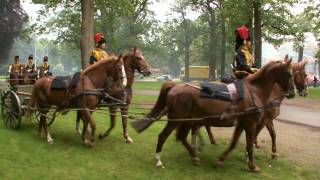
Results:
<point x="65" y="82"/>
<point x="221" y="91"/>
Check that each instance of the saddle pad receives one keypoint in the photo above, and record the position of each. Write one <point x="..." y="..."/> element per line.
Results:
<point x="60" y="82"/>
<point x="225" y="92"/>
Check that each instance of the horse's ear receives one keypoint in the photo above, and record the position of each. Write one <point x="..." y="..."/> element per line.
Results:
<point x="305" y="63"/>
<point x="286" y="58"/>
<point x="134" y="50"/>
<point x="120" y="60"/>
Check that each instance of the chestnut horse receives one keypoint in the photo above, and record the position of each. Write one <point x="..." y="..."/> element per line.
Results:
<point x="183" y="104"/>
<point x="299" y="77"/>
<point x="133" y="60"/>
<point x="86" y="95"/>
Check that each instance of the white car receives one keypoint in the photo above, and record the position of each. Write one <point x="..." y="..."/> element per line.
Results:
<point x="165" y="77"/>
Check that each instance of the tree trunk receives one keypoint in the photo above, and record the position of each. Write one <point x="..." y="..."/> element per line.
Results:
<point x="86" y="31"/>
<point x="186" y="62"/>
<point x="300" y="56"/>
<point x="257" y="33"/>
<point x="223" y="46"/>
<point x="212" y="47"/>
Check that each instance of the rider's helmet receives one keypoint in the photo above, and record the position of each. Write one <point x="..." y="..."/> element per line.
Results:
<point x="99" y="39"/>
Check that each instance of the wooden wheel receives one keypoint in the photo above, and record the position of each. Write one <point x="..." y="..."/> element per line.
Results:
<point x="11" y="110"/>
<point x="51" y="115"/>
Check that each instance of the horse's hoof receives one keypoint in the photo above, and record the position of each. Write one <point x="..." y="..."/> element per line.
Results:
<point x="129" y="140"/>
<point x="220" y="164"/>
<point x="274" y="155"/>
<point x="160" y="166"/>
<point x="89" y="144"/>
<point x="196" y="161"/>
<point x="254" y="169"/>
<point x="50" y="141"/>
<point x="101" y="136"/>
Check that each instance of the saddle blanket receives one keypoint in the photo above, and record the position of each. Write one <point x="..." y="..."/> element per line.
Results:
<point x="64" y="82"/>
<point x="225" y="92"/>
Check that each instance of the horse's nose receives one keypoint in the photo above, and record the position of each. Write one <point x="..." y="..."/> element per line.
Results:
<point x="148" y="73"/>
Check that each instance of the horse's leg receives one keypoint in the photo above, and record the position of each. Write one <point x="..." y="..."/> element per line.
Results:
<point x="272" y="133"/>
<point x="211" y="137"/>
<point x="124" y="113"/>
<point x="194" y="133"/>
<point x="237" y="132"/>
<point x="192" y="149"/>
<point x="113" y="111"/>
<point x="45" y="127"/>
<point x="78" y="123"/>
<point x="161" y="140"/>
<point x="258" y="130"/>
<point x="41" y="129"/>
<point x="250" y="133"/>
<point x="86" y="116"/>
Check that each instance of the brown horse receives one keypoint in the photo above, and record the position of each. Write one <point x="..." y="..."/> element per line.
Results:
<point x="299" y="77"/>
<point x="86" y="95"/>
<point x="183" y="104"/>
<point x="133" y="60"/>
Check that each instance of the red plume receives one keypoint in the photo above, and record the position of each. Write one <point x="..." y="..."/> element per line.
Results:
<point x="98" y="36"/>
<point x="243" y="32"/>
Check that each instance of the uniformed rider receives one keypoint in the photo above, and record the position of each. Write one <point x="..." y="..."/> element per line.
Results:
<point x="30" y="67"/>
<point x="99" y="53"/>
<point x="243" y="61"/>
<point x="16" y="67"/>
<point x="45" y="66"/>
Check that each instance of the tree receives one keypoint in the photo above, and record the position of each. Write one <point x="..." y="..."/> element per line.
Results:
<point x="12" y="18"/>
<point x="86" y="30"/>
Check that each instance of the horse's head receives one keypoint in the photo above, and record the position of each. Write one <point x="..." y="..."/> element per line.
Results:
<point x="137" y="61"/>
<point x="299" y="77"/>
<point x="113" y="83"/>
<point x="285" y="77"/>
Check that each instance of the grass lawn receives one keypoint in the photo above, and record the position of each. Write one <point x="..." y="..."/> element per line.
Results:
<point x="25" y="156"/>
<point x="314" y="92"/>
<point x="150" y="85"/>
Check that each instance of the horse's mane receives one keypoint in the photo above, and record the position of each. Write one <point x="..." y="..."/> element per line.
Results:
<point x="262" y="71"/>
<point x="96" y="65"/>
<point x="131" y="52"/>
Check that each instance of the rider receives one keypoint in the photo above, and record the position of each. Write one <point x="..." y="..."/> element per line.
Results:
<point x="45" y="66"/>
<point x="16" y="67"/>
<point x="30" y="67"/>
<point x="99" y="53"/>
<point x="243" y="61"/>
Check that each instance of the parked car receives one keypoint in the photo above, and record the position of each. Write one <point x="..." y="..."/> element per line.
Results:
<point x="165" y="77"/>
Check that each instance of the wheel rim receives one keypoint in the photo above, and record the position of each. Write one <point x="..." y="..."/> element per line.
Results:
<point x="11" y="110"/>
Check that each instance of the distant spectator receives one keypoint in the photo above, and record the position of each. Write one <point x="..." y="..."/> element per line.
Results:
<point x="315" y="80"/>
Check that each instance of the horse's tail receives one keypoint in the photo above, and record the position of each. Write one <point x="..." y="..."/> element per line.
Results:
<point x="158" y="110"/>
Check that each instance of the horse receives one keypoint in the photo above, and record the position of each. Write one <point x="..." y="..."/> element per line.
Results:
<point x="86" y="95"/>
<point x="133" y="60"/>
<point x="299" y="77"/>
<point x="186" y="110"/>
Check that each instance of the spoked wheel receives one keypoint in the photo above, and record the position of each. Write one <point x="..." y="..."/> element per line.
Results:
<point x="51" y="115"/>
<point x="11" y="110"/>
